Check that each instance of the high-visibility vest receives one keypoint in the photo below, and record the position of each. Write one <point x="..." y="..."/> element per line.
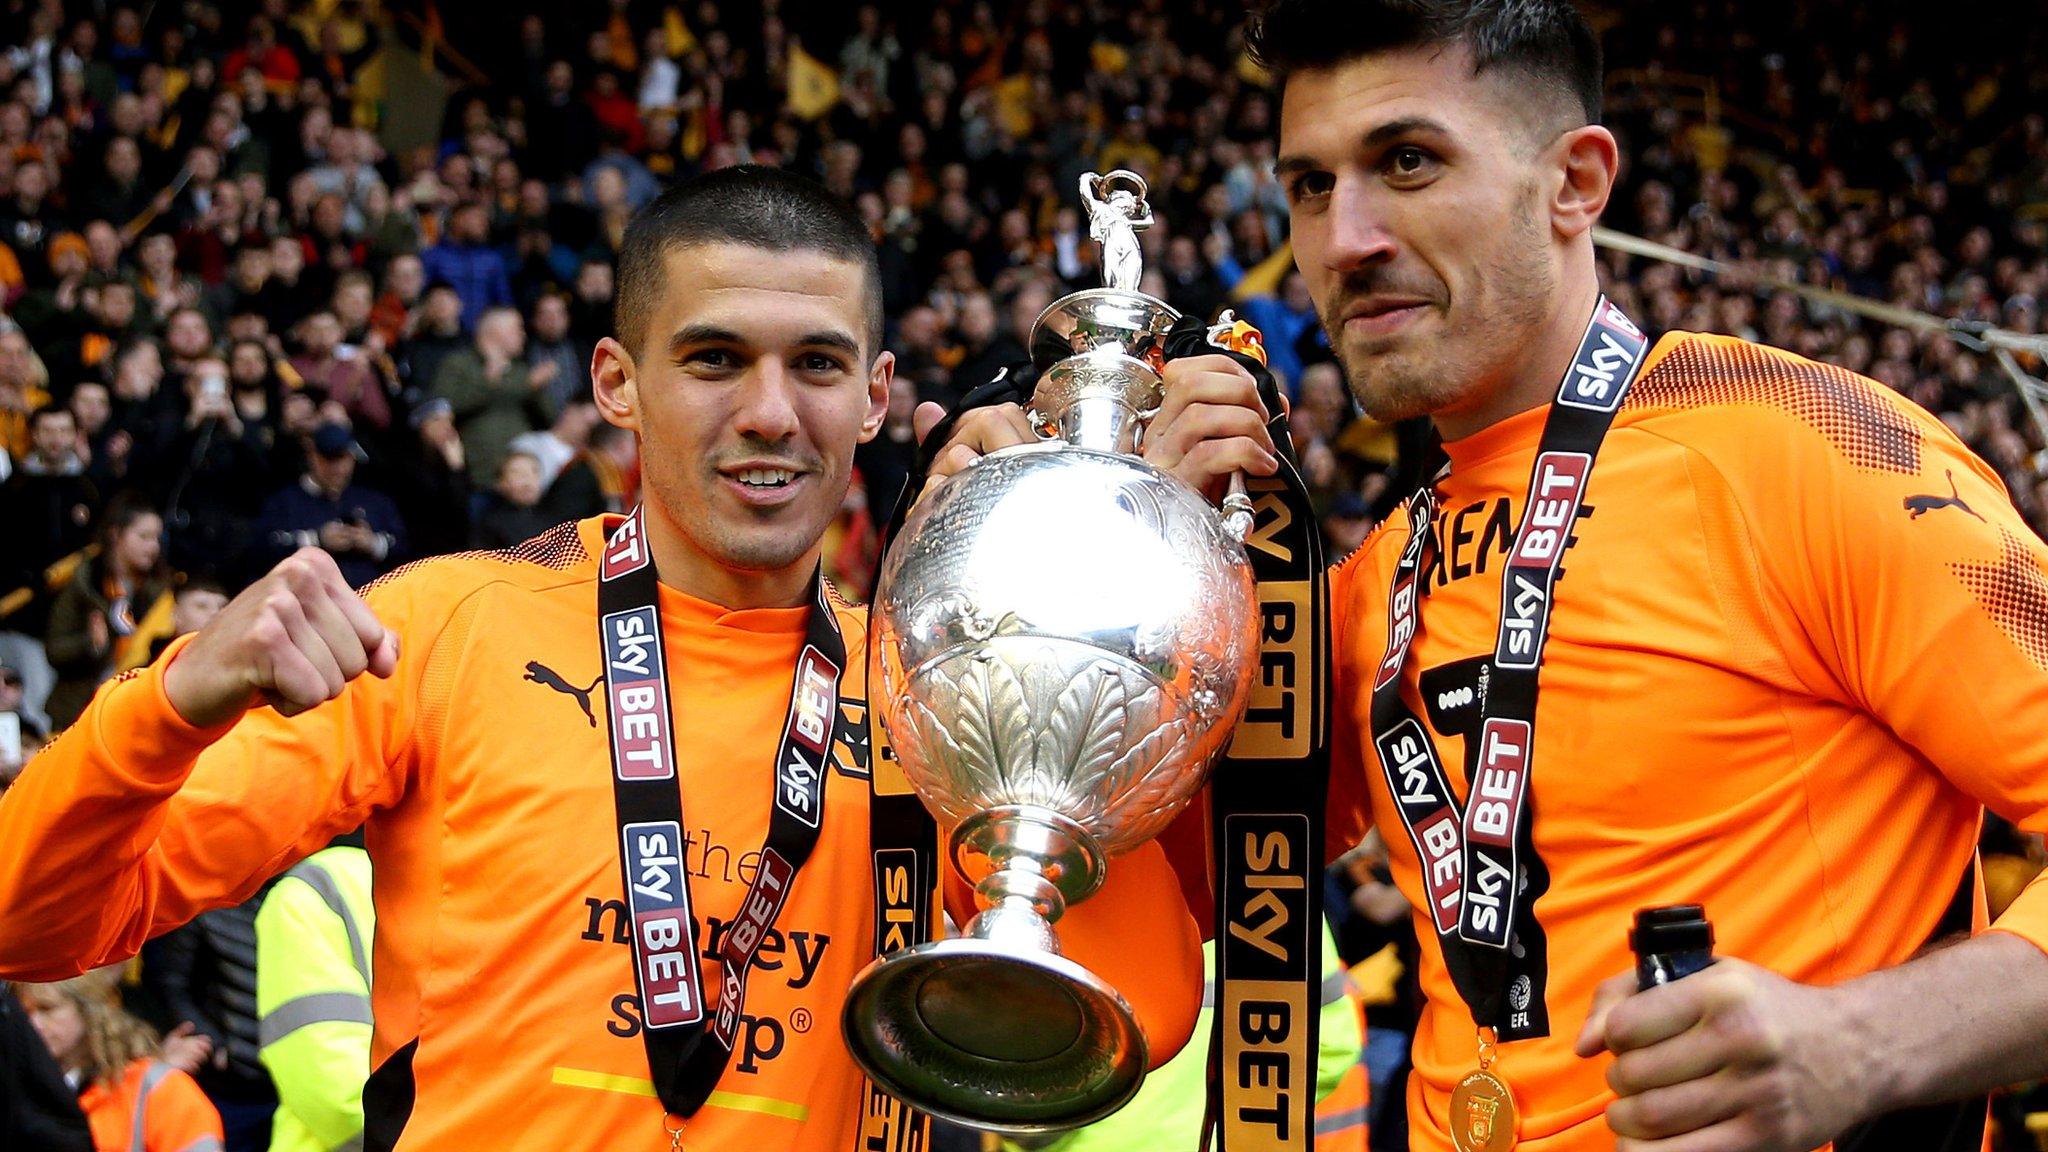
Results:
<point x="154" y="1108"/>
<point x="313" y="999"/>
<point x="1342" y="1114"/>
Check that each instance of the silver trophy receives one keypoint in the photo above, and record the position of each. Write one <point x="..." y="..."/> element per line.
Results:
<point x="1067" y="639"/>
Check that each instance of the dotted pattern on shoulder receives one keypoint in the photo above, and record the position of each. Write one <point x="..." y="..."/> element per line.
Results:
<point x="559" y="548"/>
<point x="1847" y="409"/>
<point x="2014" y="592"/>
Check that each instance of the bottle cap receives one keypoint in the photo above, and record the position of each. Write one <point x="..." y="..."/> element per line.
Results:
<point x="1671" y="928"/>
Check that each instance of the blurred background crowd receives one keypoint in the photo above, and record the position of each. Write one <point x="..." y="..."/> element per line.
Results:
<point x="277" y="273"/>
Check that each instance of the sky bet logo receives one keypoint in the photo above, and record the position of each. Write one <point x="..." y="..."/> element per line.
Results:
<point x="639" y="706"/>
<point x="1493" y="814"/>
<point x="1554" y="494"/>
<point x="1419" y="788"/>
<point x="814" y="702"/>
<point x="1267" y="951"/>
<point x="763" y="903"/>
<point x="662" y="929"/>
<point x="1604" y="363"/>
<point x="626" y="551"/>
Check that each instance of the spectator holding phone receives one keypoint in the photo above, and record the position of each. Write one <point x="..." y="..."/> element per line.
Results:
<point x="358" y="525"/>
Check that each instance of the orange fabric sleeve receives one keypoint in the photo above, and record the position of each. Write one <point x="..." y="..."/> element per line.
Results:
<point x="1136" y="934"/>
<point x="1927" y="605"/>
<point x="1349" y="813"/>
<point x="178" y="1115"/>
<point x="133" y="821"/>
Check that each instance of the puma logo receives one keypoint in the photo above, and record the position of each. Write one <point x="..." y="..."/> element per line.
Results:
<point x="1920" y="505"/>
<point x="540" y="673"/>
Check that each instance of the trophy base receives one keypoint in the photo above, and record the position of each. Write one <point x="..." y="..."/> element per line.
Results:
<point x="973" y="1032"/>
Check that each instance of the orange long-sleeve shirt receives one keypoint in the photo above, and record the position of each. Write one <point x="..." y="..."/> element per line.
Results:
<point x="1800" y="644"/>
<point x="503" y="991"/>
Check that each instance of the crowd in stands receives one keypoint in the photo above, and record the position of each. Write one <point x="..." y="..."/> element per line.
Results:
<point x="237" y="323"/>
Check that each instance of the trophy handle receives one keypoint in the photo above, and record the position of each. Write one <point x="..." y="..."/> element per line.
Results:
<point x="1237" y="509"/>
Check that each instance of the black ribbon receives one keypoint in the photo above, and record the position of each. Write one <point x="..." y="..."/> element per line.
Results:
<point x="688" y="1043"/>
<point x="1480" y="871"/>
<point x="1266" y="799"/>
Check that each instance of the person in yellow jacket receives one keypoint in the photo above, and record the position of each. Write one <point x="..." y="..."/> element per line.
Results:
<point x="1166" y="1114"/>
<point x="313" y="999"/>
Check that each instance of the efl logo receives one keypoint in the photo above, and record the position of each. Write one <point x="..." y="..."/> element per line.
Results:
<point x="814" y="701"/>
<point x="663" y="934"/>
<point x="626" y="551"/>
<point x="634" y="680"/>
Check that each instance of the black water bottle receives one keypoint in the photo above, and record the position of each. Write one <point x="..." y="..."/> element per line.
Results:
<point x="1671" y="942"/>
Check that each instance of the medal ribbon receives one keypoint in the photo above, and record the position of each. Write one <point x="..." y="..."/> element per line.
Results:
<point x="1479" y="867"/>
<point x="1266" y="799"/>
<point x="689" y="1045"/>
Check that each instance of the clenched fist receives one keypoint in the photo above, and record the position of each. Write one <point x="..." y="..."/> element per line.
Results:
<point x="292" y="640"/>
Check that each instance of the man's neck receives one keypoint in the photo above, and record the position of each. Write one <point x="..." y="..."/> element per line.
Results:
<point x="1534" y="382"/>
<point x="686" y="569"/>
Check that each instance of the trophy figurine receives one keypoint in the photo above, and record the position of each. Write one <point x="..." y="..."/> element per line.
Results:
<point x="1067" y="639"/>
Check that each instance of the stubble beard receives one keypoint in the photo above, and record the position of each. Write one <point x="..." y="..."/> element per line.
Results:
<point x="1477" y="349"/>
<point x="736" y="540"/>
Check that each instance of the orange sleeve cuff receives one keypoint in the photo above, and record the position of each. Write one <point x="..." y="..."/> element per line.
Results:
<point x="141" y="735"/>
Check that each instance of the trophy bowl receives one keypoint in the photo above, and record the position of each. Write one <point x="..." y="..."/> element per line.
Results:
<point x="1065" y="641"/>
<point x="1066" y="638"/>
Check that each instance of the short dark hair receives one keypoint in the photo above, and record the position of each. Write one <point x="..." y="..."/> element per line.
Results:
<point x="50" y="411"/>
<point x="748" y="204"/>
<point x="203" y="583"/>
<point x="1546" y="41"/>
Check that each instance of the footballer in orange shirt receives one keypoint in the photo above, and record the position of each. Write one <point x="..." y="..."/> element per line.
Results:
<point x="514" y="973"/>
<point x="1683" y="621"/>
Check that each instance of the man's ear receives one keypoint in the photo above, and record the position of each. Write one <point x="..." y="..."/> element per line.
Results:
<point x="879" y="379"/>
<point x="614" y="384"/>
<point x="1588" y="160"/>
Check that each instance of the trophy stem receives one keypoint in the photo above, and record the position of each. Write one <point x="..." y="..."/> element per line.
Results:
<point x="1099" y="400"/>
<point x="1027" y="863"/>
<point x="996" y="1029"/>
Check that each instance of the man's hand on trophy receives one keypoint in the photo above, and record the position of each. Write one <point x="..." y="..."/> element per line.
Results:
<point x="976" y="433"/>
<point x="1210" y="425"/>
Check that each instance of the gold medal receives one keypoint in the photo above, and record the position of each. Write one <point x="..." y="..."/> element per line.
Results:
<point x="1483" y="1113"/>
